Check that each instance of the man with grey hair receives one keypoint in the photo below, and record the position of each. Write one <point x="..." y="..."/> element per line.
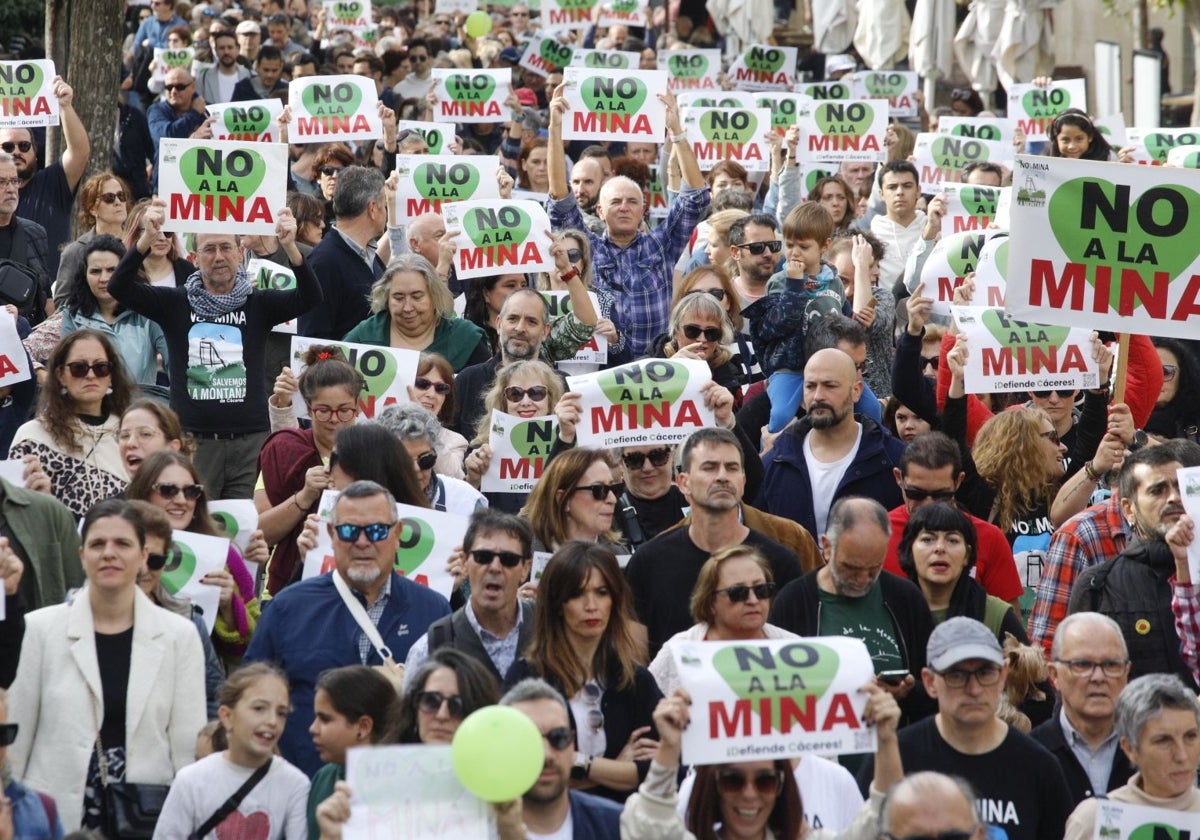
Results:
<point x="361" y="596"/>
<point x="422" y="436"/>
<point x="551" y="808"/>
<point x="345" y="260"/>
<point x="1089" y="666"/>
<point x="930" y="804"/>
<point x="23" y="241"/>
<point x="850" y="596"/>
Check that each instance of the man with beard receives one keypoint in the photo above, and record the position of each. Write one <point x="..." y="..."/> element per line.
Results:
<point x="754" y="269"/>
<point x="216" y="83"/>
<point x="1134" y="589"/>
<point x="587" y="176"/>
<point x="830" y="453"/>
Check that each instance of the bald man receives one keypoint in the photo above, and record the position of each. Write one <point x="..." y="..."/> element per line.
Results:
<point x="587" y="177"/>
<point x="831" y="452"/>
<point x="930" y="804"/>
<point x="425" y="234"/>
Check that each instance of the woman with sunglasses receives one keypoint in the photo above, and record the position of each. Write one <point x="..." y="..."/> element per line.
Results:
<point x="419" y="433"/>
<point x="331" y="160"/>
<point x="575" y="499"/>
<point x="699" y="328"/>
<point x="169" y="481"/>
<point x="585" y="647"/>
<point x="447" y="687"/>
<point x="75" y="432"/>
<point x="433" y="390"/>
<point x="1177" y="410"/>
<point x="104" y="205"/>
<point x="575" y="276"/>
<point x="719" y="284"/>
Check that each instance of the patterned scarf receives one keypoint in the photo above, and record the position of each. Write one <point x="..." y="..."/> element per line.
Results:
<point x="207" y="305"/>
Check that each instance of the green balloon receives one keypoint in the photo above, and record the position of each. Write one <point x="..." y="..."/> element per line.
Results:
<point x="497" y="753"/>
<point x="478" y="24"/>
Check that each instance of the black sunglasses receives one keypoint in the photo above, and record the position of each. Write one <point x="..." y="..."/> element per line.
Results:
<point x="376" y="531"/>
<point x="600" y="491"/>
<point x="430" y="702"/>
<point x="636" y="460"/>
<point x="155" y="561"/>
<point x="485" y="556"/>
<point x="930" y="361"/>
<point x="426" y="460"/>
<point x="916" y="494"/>
<point x="574" y="255"/>
<point x="756" y="248"/>
<point x="423" y="384"/>
<point x="329" y="171"/>
<point x="167" y="490"/>
<point x="719" y="294"/>
<point x="79" y="370"/>
<point x="8" y="734"/>
<point x="113" y="198"/>
<point x="1052" y="436"/>
<point x="560" y="737"/>
<point x="1063" y="393"/>
<point x="515" y="394"/>
<point x="766" y="782"/>
<point x="172" y="88"/>
<point x="24" y="146"/>
<point x="694" y="331"/>
<point x="741" y="592"/>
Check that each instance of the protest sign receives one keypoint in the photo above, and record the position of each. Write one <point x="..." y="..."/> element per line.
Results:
<point x="691" y="69"/>
<point x="1189" y="489"/>
<point x="783" y="107"/>
<point x="520" y="448"/>
<point x="410" y="792"/>
<point x="604" y="59"/>
<point x="333" y="108"/>
<point x="992" y="129"/>
<point x="1033" y="108"/>
<point x="546" y="56"/>
<point x="898" y="87"/>
<point x="715" y="99"/>
<point x="1184" y="157"/>
<point x="1009" y="355"/>
<point x="624" y="13"/>
<point x="764" y="67"/>
<point x="657" y="195"/>
<point x="166" y="60"/>
<point x="566" y="15"/>
<point x="839" y="131"/>
<point x="991" y="272"/>
<point x="256" y="120"/>
<point x="496" y="235"/>
<point x="1114" y="130"/>
<point x="27" y="94"/>
<point x="1153" y="145"/>
<point x="191" y="557"/>
<point x="13" y="471"/>
<point x="717" y="134"/>
<point x="437" y="135"/>
<point x="14" y="361"/>
<point x="810" y="173"/>
<point x="1105" y="247"/>
<point x="238" y="518"/>
<point x="427" y="182"/>
<point x="388" y="371"/>
<point x="472" y="96"/>
<point x="354" y="15"/>
<point x="1127" y="821"/>
<point x="451" y="7"/>
<point x="649" y="401"/>
<point x="614" y="105"/>
<point x="948" y="264"/>
<point x="940" y="158"/>
<point x="266" y="275"/>
<point x="595" y="352"/>
<point x="774" y="698"/>
<point x="969" y="207"/>
<point x="825" y="91"/>
<point x="214" y="186"/>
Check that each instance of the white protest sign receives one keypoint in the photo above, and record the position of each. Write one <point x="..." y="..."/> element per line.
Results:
<point x="991" y="273"/>
<point x="739" y="99"/>
<point x="27" y="94"/>
<point x="388" y="372"/>
<point x="238" y="518"/>
<point x="437" y="135"/>
<point x="14" y="361"/>
<point x="717" y="134"/>
<point x="410" y="792"/>
<point x="266" y="275"/>
<point x="427" y="182"/>
<point x="1105" y="247"/>
<point x="596" y="350"/>
<point x="771" y="699"/>
<point x="520" y="448"/>
<point x="826" y="91"/>
<point x="256" y="120"/>
<point x="648" y="401"/>
<point x="333" y="108"/>
<point x="1114" y="130"/>
<point x="624" y="13"/>
<point x="952" y="259"/>
<point x="450" y="7"/>
<point x="604" y="59"/>
<point x="498" y="235"/>
<point x="1033" y="108"/>
<point x="214" y="186"/>
<point x="13" y="471"/>
<point x="969" y="207"/>
<point x="354" y="15"/>
<point x="992" y="129"/>
<point x="1126" y="821"/>
<point x="898" y="87"/>
<point x="784" y="107"/>
<point x="166" y="60"/>
<point x="764" y="67"/>
<point x="189" y="559"/>
<point x="940" y="158"/>
<point x="541" y="559"/>
<point x="840" y="131"/>
<point x="1189" y="489"/>
<point x="472" y="96"/>
<point x="1184" y="157"/>
<point x="1008" y="355"/>
<point x="1154" y="145"/>
<point x="546" y="55"/>
<point x="614" y="105"/>
<point x="658" y="206"/>
<point x="565" y="15"/>
<point x="810" y="173"/>
<point x="690" y="70"/>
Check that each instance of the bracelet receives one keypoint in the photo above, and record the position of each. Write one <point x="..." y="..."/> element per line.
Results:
<point x="679" y="138"/>
<point x="569" y="275"/>
<point x="1091" y="472"/>
<point x="296" y="502"/>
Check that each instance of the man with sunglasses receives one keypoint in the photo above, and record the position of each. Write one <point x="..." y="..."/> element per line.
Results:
<point x="755" y="247"/>
<point x="931" y="806"/>
<point x="1020" y="786"/>
<point x="180" y="113"/>
<point x="419" y="80"/>
<point x="494" y="626"/>
<point x="309" y="626"/>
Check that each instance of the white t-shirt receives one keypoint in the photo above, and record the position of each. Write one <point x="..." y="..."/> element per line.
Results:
<point x="274" y="809"/>
<point x="226" y="82"/>
<point x="825" y="478"/>
<point x="898" y="240"/>
<point x="566" y="831"/>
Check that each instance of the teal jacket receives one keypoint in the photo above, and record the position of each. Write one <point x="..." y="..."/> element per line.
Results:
<point x="462" y="342"/>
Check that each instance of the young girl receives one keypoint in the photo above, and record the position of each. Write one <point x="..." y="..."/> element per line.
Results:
<point x="254" y="709"/>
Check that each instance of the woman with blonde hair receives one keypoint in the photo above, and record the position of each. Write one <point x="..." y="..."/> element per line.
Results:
<point x="575" y="499"/>
<point x="717" y="242"/>
<point x="719" y="284"/>
<point x="700" y="328"/>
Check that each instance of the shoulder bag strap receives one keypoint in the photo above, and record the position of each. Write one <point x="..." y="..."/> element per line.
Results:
<point x="231" y="804"/>
<point x="364" y="621"/>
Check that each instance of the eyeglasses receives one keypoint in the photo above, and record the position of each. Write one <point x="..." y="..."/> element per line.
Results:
<point x="167" y="490"/>
<point x="79" y="370"/>
<point x="174" y="88"/>
<point x="1169" y="372"/>
<point x="485" y="556"/>
<point x="694" y="331"/>
<point x="574" y="255"/>
<point x="739" y="593"/>
<point x="756" y="248"/>
<point x="22" y="145"/>
<point x="426" y="460"/>
<point x="8" y="734"/>
<point x="592" y="692"/>
<point x="442" y="22"/>
<point x="1087" y="667"/>
<point x="515" y="394"/>
<point x="766" y="782"/>
<point x="719" y="294"/>
<point x="430" y="703"/>
<point x="636" y="460"/>
<point x="600" y="491"/>
<point x="1063" y="393"/>
<point x="961" y="94"/>
<point x="376" y="531"/>
<point x="10" y="182"/>
<point x="324" y="413"/>
<point x="1052" y="436"/>
<point x="930" y="361"/>
<point x="560" y="737"/>
<point x="958" y="678"/>
<point x="113" y="198"/>
<point x="155" y="561"/>
<point x="863" y="366"/>
<point x="418" y="58"/>
<point x="423" y="384"/>
<point x="330" y="171"/>
<point x="916" y="494"/>
<point x="953" y="834"/>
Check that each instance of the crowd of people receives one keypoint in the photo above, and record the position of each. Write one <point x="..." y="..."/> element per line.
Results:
<point x="1016" y="566"/>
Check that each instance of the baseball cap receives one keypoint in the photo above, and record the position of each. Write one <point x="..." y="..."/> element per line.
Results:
<point x="839" y="63"/>
<point x="248" y="26"/>
<point x="526" y="97"/>
<point x="510" y="54"/>
<point x="959" y="639"/>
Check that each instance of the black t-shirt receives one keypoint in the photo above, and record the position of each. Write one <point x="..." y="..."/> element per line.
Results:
<point x="47" y="200"/>
<point x="663" y="572"/>
<point x="657" y="515"/>
<point x="113" y="653"/>
<point x="1020" y="787"/>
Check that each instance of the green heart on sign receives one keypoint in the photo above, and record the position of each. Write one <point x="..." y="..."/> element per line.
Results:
<point x="206" y="172"/>
<point x="613" y="60"/>
<point x="532" y="438"/>
<point x="625" y="7"/>
<point x="467" y="88"/>
<point x="1134" y="248"/>
<point x="1046" y="102"/>
<point x="979" y="201"/>
<point x="554" y="53"/>
<point x="622" y="96"/>
<point x="653" y="381"/>
<point x="800" y="670"/>
<point x="434" y="140"/>
<point x="1190" y="161"/>
<point x="347" y="10"/>
<point x="979" y="132"/>
<point x="962" y="252"/>
<point x="377" y="367"/>
<point x="810" y="180"/>
<point x="416" y="544"/>
<point x="1155" y="831"/>
<point x="1001" y="258"/>
<point x="728" y="126"/>
<point x="227" y="521"/>
<point x="783" y="111"/>
<point x="846" y="120"/>
<point x="1159" y="144"/>
<point x="1015" y="334"/>
<point x="885" y="85"/>
<point x="181" y="565"/>
<point x="269" y="278"/>
<point x="177" y="58"/>
<point x="769" y="60"/>
<point x="955" y="152"/>
<point x="505" y="226"/>
<point x="688" y="66"/>
<point x="26" y="81"/>
<point x="575" y="4"/>
<point x="253" y="120"/>
<point x="454" y="182"/>
<point x="339" y="100"/>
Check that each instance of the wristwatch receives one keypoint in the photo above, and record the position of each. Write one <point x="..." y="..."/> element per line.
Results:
<point x="582" y="767"/>
<point x="1140" y="439"/>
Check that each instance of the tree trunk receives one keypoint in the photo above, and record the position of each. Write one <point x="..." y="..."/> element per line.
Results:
<point x="1191" y="16"/>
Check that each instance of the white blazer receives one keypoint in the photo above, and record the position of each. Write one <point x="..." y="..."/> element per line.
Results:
<point x="58" y="701"/>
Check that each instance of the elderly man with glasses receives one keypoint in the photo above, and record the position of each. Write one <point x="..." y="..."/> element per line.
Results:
<point x="180" y="113"/>
<point x="22" y="240"/>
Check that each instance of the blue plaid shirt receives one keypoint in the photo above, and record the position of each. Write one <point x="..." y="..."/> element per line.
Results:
<point x="640" y="276"/>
